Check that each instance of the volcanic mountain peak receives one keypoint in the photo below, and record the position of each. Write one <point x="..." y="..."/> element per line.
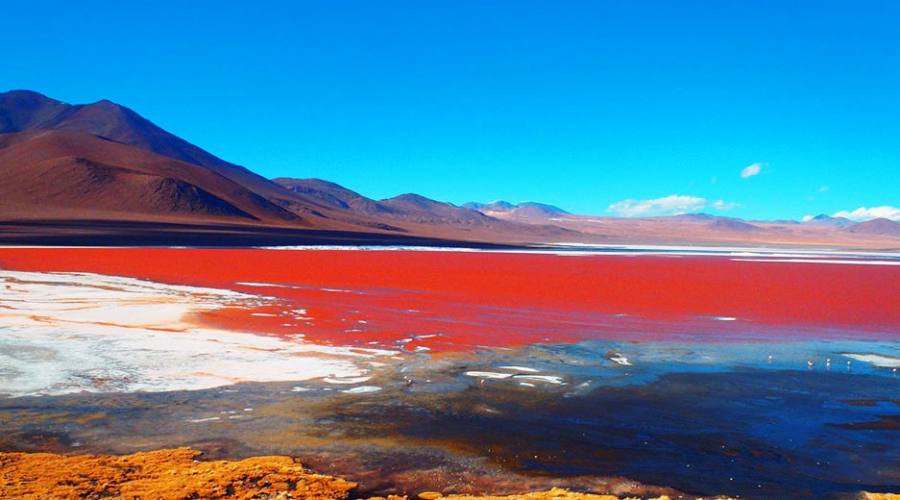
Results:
<point x="524" y="210"/>
<point x="24" y="110"/>
<point x="543" y="206"/>
<point x="416" y="200"/>
<point x="86" y="176"/>
<point x="27" y="110"/>
<point x="827" y="220"/>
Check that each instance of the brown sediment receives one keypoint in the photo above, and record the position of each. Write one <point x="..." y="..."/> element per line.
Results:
<point x="179" y="474"/>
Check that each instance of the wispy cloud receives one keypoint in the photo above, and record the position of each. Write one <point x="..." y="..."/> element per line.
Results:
<point x="723" y="205"/>
<point x="863" y="213"/>
<point x="752" y="170"/>
<point x="674" y="204"/>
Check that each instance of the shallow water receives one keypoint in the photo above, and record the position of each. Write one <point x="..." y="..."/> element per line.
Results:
<point x="721" y="420"/>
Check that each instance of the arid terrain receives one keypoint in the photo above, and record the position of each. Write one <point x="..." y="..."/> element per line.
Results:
<point x="100" y="174"/>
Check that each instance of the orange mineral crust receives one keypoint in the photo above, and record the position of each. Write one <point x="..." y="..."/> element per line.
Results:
<point x="178" y="474"/>
<point x="162" y="474"/>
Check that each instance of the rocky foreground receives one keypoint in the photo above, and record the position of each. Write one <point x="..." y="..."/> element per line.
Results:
<point x="179" y="474"/>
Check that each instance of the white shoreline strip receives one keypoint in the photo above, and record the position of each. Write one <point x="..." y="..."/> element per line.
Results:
<point x="572" y="249"/>
<point x="858" y="262"/>
<point x="876" y="360"/>
<point x="565" y="248"/>
<point x="63" y="333"/>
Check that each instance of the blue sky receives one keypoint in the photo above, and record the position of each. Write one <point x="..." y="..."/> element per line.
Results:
<point x="598" y="107"/>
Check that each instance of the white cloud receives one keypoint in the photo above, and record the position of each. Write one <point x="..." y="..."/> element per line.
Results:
<point x="751" y="170"/>
<point x="723" y="205"/>
<point x="674" y="204"/>
<point x="863" y="213"/>
<point x="807" y="218"/>
<point x="823" y="189"/>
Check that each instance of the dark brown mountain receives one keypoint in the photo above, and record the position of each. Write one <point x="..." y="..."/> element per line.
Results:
<point x="74" y="174"/>
<point x="24" y="110"/>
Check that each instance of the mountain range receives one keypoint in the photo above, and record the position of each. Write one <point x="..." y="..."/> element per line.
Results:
<point x="101" y="172"/>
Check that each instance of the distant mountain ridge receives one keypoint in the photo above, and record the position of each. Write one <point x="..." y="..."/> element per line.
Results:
<point x="408" y="208"/>
<point x="81" y="165"/>
<point x="525" y="210"/>
<point x="880" y="226"/>
<point x="827" y="220"/>
<point x="106" y="161"/>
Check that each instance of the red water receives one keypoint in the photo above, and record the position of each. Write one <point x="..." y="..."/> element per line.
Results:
<point x="469" y="299"/>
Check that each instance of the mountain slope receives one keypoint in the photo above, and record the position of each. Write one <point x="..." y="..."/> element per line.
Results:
<point x="417" y="214"/>
<point x="417" y="208"/>
<point x="524" y="210"/>
<point x="81" y="175"/>
<point x="406" y="207"/>
<point x="728" y="224"/>
<point x="24" y="110"/>
<point x="332" y="195"/>
<point x="880" y="226"/>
